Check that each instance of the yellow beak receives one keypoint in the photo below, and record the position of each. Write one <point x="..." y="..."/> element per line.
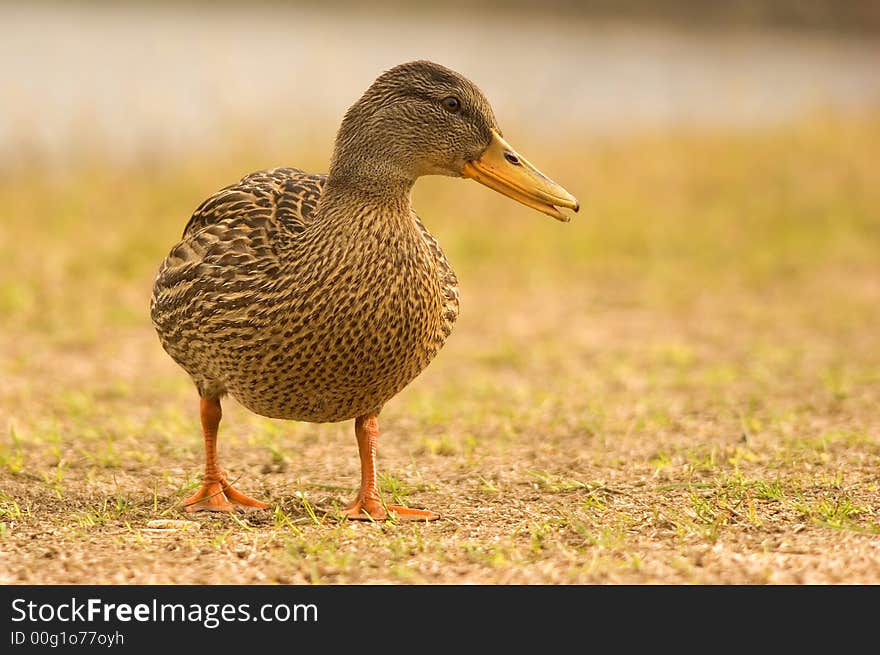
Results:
<point x="501" y="168"/>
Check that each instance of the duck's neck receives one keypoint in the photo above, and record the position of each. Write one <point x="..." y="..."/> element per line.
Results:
<point x="363" y="198"/>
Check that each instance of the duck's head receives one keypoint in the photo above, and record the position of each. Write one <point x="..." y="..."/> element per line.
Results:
<point x="421" y="118"/>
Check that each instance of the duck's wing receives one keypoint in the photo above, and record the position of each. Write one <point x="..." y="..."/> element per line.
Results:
<point x="286" y="195"/>
<point x="239" y="230"/>
<point x="233" y="246"/>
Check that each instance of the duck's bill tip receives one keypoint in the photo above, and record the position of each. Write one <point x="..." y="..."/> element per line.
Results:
<point x="555" y="212"/>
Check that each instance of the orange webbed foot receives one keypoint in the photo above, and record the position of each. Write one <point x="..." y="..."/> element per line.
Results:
<point x="220" y="496"/>
<point x="371" y="509"/>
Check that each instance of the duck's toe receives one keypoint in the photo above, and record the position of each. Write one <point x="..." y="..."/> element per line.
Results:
<point x="373" y="510"/>
<point x="220" y="496"/>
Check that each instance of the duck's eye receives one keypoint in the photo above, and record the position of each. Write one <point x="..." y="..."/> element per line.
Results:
<point x="451" y="104"/>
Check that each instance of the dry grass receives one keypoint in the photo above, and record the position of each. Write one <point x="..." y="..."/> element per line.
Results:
<point x="682" y="385"/>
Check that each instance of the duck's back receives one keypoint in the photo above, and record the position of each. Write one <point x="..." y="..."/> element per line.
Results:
<point x="250" y="303"/>
<point x="285" y="196"/>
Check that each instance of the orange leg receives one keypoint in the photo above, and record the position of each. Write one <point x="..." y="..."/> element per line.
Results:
<point x="216" y="494"/>
<point x="368" y="503"/>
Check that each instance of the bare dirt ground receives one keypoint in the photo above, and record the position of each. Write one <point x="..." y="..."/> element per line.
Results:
<point x="680" y="386"/>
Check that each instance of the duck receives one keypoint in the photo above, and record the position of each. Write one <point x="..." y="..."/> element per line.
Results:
<point x="319" y="297"/>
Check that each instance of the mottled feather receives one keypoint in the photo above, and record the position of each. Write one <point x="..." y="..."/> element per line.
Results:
<point x="263" y="300"/>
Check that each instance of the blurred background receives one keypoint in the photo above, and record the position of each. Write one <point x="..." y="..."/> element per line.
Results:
<point x="154" y="78"/>
<point x="712" y="309"/>
<point x="713" y="141"/>
<point x="724" y="155"/>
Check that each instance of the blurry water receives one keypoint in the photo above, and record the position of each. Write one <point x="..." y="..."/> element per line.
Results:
<point x="138" y="78"/>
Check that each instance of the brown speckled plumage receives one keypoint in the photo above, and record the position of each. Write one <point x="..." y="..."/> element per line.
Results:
<point x="297" y="314"/>
<point x="318" y="298"/>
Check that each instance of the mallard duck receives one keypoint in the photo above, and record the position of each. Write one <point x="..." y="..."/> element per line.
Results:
<point x="320" y="297"/>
